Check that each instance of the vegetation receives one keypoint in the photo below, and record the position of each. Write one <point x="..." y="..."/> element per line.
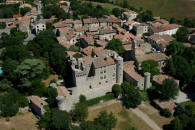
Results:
<point x="87" y="9"/>
<point x="80" y="112"/>
<point x="150" y="66"/>
<point x="182" y="34"/>
<point x="116" y="45"/>
<point x="131" y="95"/>
<point x="116" y="89"/>
<point x="165" y="112"/>
<point x="8" y="10"/>
<point x="2" y="25"/>
<point x="54" y="10"/>
<point x="24" y="10"/>
<point x="82" y="98"/>
<point x="169" y="89"/>
<point x="145" y="16"/>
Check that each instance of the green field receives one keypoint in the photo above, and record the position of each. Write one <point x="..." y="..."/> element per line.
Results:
<point x="166" y="8"/>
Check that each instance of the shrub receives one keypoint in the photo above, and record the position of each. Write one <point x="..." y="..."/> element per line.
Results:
<point x="98" y="99"/>
<point x="165" y="112"/>
<point x="116" y="89"/>
<point x="82" y="98"/>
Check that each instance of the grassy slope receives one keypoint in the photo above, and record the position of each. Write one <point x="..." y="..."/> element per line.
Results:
<point x="167" y="8"/>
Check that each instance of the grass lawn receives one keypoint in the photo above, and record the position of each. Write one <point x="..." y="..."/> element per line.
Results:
<point x="126" y="118"/>
<point x="166" y="8"/>
<point x="22" y="121"/>
<point x="154" y="114"/>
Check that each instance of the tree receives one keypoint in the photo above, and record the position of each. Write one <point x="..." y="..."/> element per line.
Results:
<point x="45" y="120"/>
<point x="169" y="89"/>
<point x="80" y="112"/>
<point x="2" y="25"/>
<point x="4" y="85"/>
<point x="16" y="52"/>
<point x="27" y="71"/>
<point x="176" y="124"/>
<point x="181" y="34"/>
<point x="131" y="95"/>
<point x="25" y="10"/>
<point x="61" y="119"/>
<point x="9" y="67"/>
<point x="116" y="89"/>
<point x="117" y="12"/>
<point x="106" y="120"/>
<point x="51" y="94"/>
<point x="37" y="88"/>
<point x="175" y="48"/>
<point x="165" y="112"/>
<point x="116" y="45"/>
<point x="150" y="66"/>
<point x="58" y="59"/>
<point x="145" y="16"/>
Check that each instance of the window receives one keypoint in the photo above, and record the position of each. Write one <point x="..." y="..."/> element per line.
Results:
<point x="106" y="81"/>
<point x="99" y="83"/>
<point x="104" y="76"/>
<point x="90" y="87"/>
<point x="101" y="77"/>
<point x="104" y="71"/>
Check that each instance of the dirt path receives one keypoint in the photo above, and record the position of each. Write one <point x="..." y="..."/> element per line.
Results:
<point x="101" y="105"/>
<point x="146" y="118"/>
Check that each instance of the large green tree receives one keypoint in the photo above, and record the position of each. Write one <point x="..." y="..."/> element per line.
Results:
<point x="169" y="89"/>
<point x="150" y="66"/>
<point x="108" y="121"/>
<point x="61" y="120"/>
<point x="80" y="112"/>
<point x="131" y="95"/>
<point x="116" y="45"/>
<point x="27" y="71"/>
<point x="181" y="34"/>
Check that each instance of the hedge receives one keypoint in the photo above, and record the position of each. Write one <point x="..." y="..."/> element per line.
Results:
<point x="97" y="100"/>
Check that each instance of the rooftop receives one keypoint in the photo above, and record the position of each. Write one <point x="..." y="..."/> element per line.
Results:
<point x="151" y="56"/>
<point x="37" y="101"/>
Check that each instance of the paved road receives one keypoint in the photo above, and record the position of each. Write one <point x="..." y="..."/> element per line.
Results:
<point x="146" y="119"/>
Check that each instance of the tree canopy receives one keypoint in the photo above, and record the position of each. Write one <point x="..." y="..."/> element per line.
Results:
<point x="169" y="89"/>
<point x="150" y="66"/>
<point x="116" y="45"/>
<point x="131" y="95"/>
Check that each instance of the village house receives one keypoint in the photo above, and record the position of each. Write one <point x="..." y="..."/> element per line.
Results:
<point x="130" y="24"/>
<point x="65" y="5"/>
<point x="129" y="15"/>
<point x="68" y="38"/>
<point x="141" y="29"/>
<point x="158" y="79"/>
<point x="86" y="41"/>
<point x="132" y="76"/>
<point x="106" y="34"/>
<point x="101" y="43"/>
<point x="64" y="31"/>
<point x="159" y="42"/>
<point x="39" y="26"/>
<point x="92" y="24"/>
<point x="191" y="38"/>
<point x="37" y="105"/>
<point x="169" y="29"/>
<point x="78" y="24"/>
<point x="159" y="57"/>
<point x="103" y="22"/>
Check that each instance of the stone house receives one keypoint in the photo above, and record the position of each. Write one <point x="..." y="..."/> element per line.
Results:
<point x="129" y="25"/>
<point x="37" y="105"/>
<point x="129" y="15"/>
<point x="158" y="79"/>
<point x="169" y="29"/>
<point x="141" y="29"/>
<point x="92" y="24"/>
<point x="39" y="26"/>
<point x="67" y="38"/>
<point x="101" y="43"/>
<point x="159" y="42"/>
<point x="86" y="41"/>
<point x="78" y="24"/>
<point x="103" y="22"/>
<point x="106" y="34"/>
<point x="159" y="57"/>
<point x="65" y="5"/>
